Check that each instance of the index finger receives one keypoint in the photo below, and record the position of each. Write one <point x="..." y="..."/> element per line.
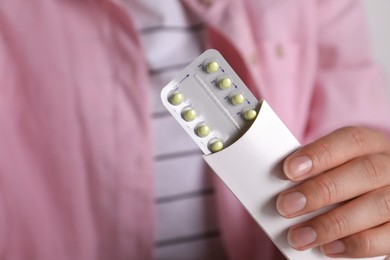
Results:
<point x="333" y="150"/>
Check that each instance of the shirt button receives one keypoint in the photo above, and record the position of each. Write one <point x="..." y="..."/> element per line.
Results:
<point x="206" y="2"/>
<point x="279" y="51"/>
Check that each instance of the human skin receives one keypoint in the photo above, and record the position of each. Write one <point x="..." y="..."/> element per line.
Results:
<point x="349" y="167"/>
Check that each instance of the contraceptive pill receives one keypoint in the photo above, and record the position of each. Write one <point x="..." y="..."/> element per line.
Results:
<point x="224" y="82"/>
<point x="215" y="145"/>
<point x="202" y="130"/>
<point x="176" y="98"/>
<point x="237" y="99"/>
<point x="211" y="66"/>
<point x="189" y="114"/>
<point x="250" y="114"/>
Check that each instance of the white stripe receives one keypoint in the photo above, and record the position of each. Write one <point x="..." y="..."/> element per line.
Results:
<point x="190" y="218"/>
<point x="170" y="137"/>
<point x="208" y="249"/>
<point x="180" y="176"/>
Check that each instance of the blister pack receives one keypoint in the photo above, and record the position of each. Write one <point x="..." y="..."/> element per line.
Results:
<point x="242" y="139"/>
<point x="211" y="102"/>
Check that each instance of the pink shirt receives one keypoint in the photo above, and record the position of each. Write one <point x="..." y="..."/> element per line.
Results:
<point x="75" y="157"/>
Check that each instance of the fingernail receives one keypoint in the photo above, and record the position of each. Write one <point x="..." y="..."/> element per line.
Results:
<point x="298" y="167"/>
<point x="290" y="203"/>
<point x="334" y="248"/>
<point x="300" y="237"/>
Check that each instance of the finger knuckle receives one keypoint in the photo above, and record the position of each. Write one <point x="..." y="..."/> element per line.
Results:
<point x="336" y="224"/>
<point x="356" y="135"/>
<point x="382" y="203"/>
<point x="373" y="168"/>
<point x="327" y="189"/>
<point x="366" y="244"/>
<point x="324" y="156"/>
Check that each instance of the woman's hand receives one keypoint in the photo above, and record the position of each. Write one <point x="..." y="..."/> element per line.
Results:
<point x="350" y="166"/>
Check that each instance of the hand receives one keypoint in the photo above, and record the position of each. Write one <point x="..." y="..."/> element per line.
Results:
<point x="350" y="166"/>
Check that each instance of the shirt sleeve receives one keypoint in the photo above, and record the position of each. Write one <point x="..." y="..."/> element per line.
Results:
<point x="350" y="87"/>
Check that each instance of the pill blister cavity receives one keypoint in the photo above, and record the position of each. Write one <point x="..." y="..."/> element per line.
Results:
<point x="237" y="98"/>
<point x="249" y="114"/>
<point x="202" y="130"/>
<point x="189" y="114"/>
<point x="176" y="98"/>
<point x="211" y="66"/>
<point x="215" y="145"/>
<point x="224" y="82"/>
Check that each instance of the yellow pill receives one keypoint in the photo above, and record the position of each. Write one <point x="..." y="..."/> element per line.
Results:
<point x="216" y="145"/>
<point x="225" y="83"/>
<point x="203" y="131"/>
<point x="189" y="115"/>
<point x="250" y="114"/>
<point x="212" y="67"/>
<point x="176" y="99"/>
<point x="237" y="99"/>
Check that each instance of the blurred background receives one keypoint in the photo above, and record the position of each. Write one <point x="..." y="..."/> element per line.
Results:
<point x="378" y="18"/>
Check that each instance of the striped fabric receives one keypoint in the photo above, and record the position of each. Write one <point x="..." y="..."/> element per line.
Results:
<point x="186" y="226"/>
